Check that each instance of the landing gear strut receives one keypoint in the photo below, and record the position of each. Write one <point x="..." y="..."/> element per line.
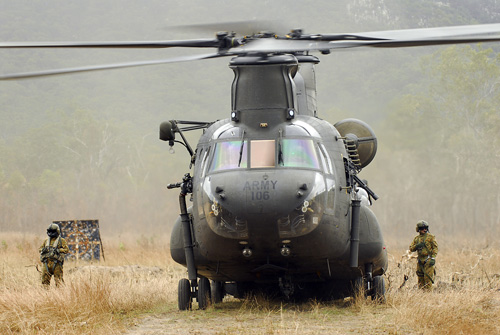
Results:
<point x="192" y="287"/>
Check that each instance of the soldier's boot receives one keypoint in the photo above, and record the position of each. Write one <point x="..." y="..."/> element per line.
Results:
<point x="46" y="279"/>
<point x="429" y="277"/>
<point x="58" y="275"/>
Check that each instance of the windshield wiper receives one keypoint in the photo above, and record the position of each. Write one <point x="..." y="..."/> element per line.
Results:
<point x="280" y="152"/>
<point x="241" y="147"/>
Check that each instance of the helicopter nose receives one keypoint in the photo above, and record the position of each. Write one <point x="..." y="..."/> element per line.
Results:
<point x="266" y="203"/>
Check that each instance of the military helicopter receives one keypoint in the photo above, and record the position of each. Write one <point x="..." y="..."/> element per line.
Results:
<point x="277" y="203"/>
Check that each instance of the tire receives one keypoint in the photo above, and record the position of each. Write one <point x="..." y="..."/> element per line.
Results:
<point x="184" y="295"/>
<point x="358" y="287"/>
<point x="203" y="293"/>
<point x="378" y="293"/>
<point x="217" y="288"/>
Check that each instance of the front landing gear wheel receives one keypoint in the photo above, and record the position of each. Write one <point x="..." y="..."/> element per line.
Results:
<point x="184" y="295"/>
<point x="203" y="293"/>
<point x="378" y="292"/>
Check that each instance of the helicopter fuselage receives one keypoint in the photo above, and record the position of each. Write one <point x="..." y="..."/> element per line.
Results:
<point x="273" y="187"/>
<point x="272" y="200"/>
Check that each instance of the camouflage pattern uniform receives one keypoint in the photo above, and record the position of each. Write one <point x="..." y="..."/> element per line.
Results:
<point x="52" y="254"/>
<point x="427" y="248"/>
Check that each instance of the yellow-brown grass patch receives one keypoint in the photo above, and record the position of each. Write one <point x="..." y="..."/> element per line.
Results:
<point x="138" y="278"/>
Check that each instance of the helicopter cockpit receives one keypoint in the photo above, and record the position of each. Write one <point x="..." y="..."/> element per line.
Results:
<point x="228" y="208"/>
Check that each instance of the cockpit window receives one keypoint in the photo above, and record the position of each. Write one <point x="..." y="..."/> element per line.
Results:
<point x="262" y="154"/>
<point x="229" y="155"/>
<point x="299" y="153"/>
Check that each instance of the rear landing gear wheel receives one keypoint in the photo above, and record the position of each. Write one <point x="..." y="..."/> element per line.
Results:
<point x="378" y="291"/>
<point x="184" y="295"/>
<point x="358" y="287"/>
<point x="217" y="291"/>
<point x="203" y="293"/>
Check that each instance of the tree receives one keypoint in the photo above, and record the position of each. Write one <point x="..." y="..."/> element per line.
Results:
<point x="445" y="139"/>
<point x="79" y="166"/>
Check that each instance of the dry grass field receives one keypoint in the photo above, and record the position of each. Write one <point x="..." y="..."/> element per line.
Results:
<point x="135" y="292"/>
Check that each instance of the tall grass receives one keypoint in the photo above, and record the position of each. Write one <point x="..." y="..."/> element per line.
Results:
<point x="139" y="277"/>
<point x="465" y="298"/>
<point x="92" y="301"/>
<point x="460" y="311"/>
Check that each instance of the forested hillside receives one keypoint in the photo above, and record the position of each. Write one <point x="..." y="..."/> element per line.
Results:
<point x="85" y="146"/>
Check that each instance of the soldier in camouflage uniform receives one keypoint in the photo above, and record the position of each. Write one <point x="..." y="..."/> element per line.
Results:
<point x="427" y="248"/>
<point x="52" y="254"/>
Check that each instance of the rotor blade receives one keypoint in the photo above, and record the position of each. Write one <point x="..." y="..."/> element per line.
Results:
<point x="427" y="42"/>
<point x="269" y="45"/>
<point x="417" y="34"/>
<point x="194" y="43"/>
<point x="47" y="73"/>
<point x="421" y="37"/>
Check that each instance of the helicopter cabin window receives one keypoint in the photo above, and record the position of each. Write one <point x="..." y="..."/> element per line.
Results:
<point x="299" y="153"/>
<point x="205" y="153"/>
<point x="229" y="155"/>
<point x="263" y="154"/>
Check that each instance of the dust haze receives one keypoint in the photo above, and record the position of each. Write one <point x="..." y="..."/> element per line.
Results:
<point x="86" y="146"/>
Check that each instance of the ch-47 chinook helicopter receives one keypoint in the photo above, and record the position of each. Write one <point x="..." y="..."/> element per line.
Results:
<point x="276" y="198"/>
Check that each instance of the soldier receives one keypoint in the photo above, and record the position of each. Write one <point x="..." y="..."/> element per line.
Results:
<point x="52" y="254"/>
<point x="426" y="246"/>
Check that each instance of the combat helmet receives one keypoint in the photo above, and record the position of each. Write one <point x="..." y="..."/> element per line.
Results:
<point x="53" y="230"/>
<point x="422" y="224"/>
